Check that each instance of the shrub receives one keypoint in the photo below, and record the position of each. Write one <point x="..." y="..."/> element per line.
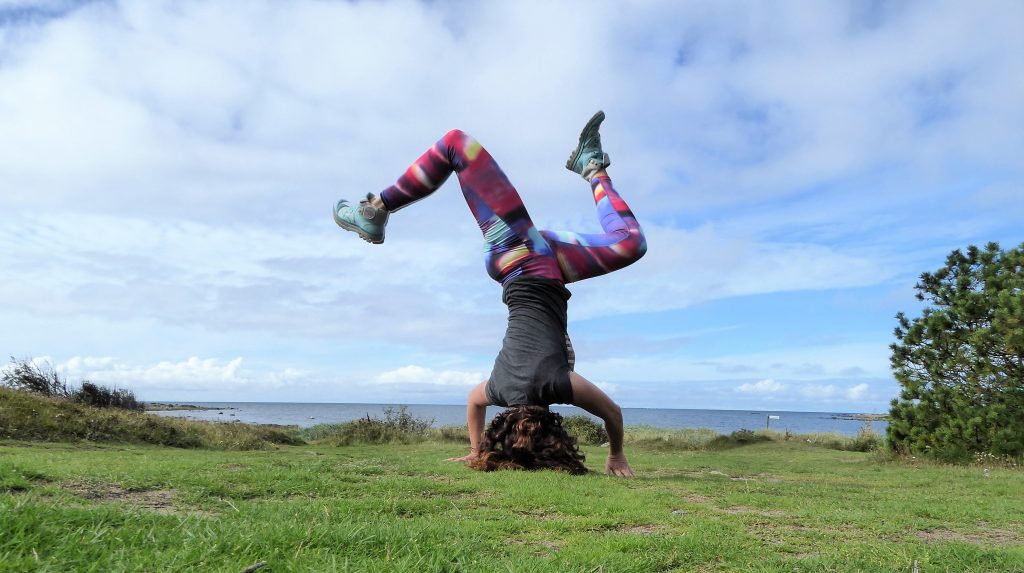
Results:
<point x="371" y="431"/>
<point x="102" y="397"/>
<point x="405" y="422"/>
<point x="41" y="378"/>
<point x="745" y="436"/>
<point x="458" y="434"/>
<point x="739" y="438"/>
<point x="397" y="426"/>
<point x="867" y="440"/>
<point x="585" y="429"/>
<point x="28" y="376"/>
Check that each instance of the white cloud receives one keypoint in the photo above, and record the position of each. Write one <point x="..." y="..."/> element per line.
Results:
<point x="803" y="361"/>
<point x="413" y="374"/>
<point x="686" y="267"/>
<point x="831" y="392"/>
<point x="818" y="391"/>
<point x="251" y="101"/>
<point x="766" y="386"/>
<point x="858" y="392"/>
<point x="193" y="373"/>
<point x="310" y="282"/>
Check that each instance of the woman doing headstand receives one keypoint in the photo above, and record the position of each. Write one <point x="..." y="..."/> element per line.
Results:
<point x="534" y="368"/>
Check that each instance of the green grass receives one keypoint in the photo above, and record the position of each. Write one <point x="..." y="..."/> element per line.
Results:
<point x="770" y="506"/>
<point x="117" y="498"/>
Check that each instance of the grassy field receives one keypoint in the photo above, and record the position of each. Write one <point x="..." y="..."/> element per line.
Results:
<point x="773" y="506"/>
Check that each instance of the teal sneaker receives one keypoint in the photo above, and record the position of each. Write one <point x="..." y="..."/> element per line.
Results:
<point x="365" y="220"/>
<point x="588" y="158"/>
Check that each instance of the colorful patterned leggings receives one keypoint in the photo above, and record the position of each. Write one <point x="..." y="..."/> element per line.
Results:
<point x="514" y="247"/>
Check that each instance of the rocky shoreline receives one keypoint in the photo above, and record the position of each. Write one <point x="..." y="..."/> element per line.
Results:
<point x="168" y="407"/>
<point x="862" y="417"/>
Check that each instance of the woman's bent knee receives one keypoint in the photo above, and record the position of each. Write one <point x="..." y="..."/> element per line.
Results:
<point x="455" y="135"/>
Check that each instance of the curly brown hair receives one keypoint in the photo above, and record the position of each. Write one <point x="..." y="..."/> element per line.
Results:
<point x="528" y="438"/>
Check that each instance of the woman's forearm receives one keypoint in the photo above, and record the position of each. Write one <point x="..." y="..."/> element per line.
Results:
<point x="613" y="425"/>
<point x="475" y="420"/>
<point x="476" y="410"/>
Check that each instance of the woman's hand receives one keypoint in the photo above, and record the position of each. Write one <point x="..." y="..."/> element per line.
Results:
<point x="618" y="466"/>
<point x="592" y="399"/>
<point x="466" y="458"/>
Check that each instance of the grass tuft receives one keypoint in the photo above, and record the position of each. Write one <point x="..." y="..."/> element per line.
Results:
<point x="662" y="439"/>
<point x="585" y="429"/>
<point x="397" y="426"/>
<point x="452" y="433"/>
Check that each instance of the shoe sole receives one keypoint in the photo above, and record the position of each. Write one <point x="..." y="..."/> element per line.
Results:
<point x="594" y="122"/>
<point x="356" y="229"/>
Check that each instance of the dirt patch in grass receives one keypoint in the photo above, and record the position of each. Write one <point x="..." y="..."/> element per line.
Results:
<point x="542" y="548"/>
<point x="708" y="474"/>
<point x="156" y="500"/>
<point x="697" y="498"/>
<point x="643" y="529"/>
<point x="792" y="539"/>
<point x="767" y="478"/>
<point x="541" y="514"/>
<point x="668" y="473"/>
<point x="772" y="537"/>
<point x="737" y="509"/>
<point x="981" y="537"/>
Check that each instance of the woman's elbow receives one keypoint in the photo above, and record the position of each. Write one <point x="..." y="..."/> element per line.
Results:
<point x="613" y="414"/>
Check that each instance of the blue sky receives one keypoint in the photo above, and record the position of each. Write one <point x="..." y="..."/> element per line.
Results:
<point x="167" y="171"/>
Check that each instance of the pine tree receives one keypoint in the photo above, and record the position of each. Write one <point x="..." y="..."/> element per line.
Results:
<point x="961" y="363"/>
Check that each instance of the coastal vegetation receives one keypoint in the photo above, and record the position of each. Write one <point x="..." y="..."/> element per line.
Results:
<point x="42" y="378"/>
<point x="29" y="416"/>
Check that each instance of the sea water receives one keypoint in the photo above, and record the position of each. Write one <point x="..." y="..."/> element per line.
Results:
<point x="722" y="421"/>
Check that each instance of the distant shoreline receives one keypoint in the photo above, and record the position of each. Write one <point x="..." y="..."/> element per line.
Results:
<point x="169" y="407"/>
<point x="863" y="417"/>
